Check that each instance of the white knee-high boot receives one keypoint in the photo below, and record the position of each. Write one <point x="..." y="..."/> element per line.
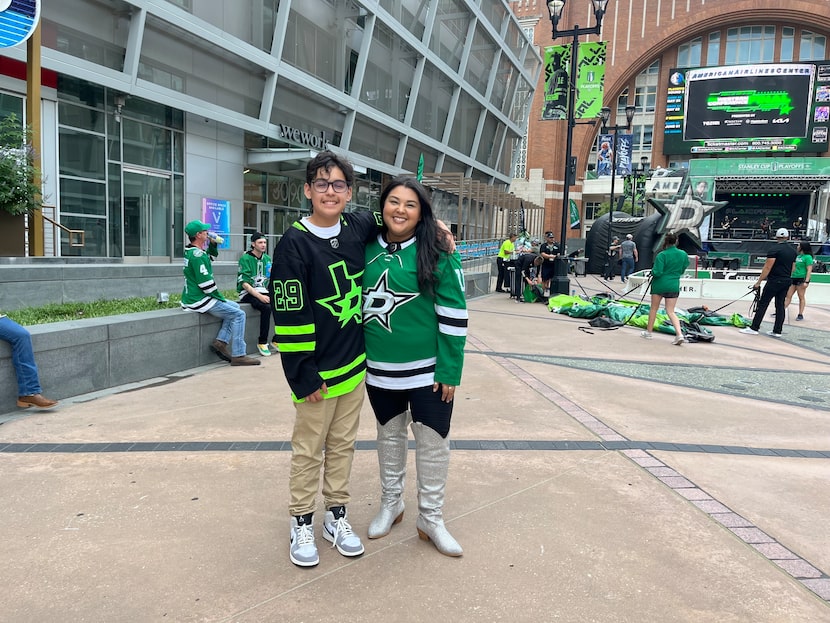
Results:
<point x="392" y="442"/>
<point x="432" y="459"/>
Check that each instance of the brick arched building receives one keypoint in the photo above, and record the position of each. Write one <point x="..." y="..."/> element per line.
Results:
<point x="643" y="34"/>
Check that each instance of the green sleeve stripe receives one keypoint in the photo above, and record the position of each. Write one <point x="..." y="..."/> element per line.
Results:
<point x="297" y="347"/>
<point x="328" y="374"/>
<point x="303" y="329"/>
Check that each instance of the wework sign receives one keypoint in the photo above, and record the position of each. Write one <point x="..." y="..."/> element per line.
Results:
<point x="315" y="141"/>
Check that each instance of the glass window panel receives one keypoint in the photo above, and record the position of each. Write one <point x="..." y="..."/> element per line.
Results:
<point x="81" y="117"/>
<point x="450" y="32"/>
<point x="93" y="31"/>
<point x="433" y="102"/>
<point x="517" y="38"/>
<point x="94" y="236"/>
<point x="249" y="20"/>
<point x="146" y="145"/>
<point x="713" y="49"/>
<point x="464" y="124"/>
<point x="253" y="187"/>
<point x="812" y="46"/>
<point x="410" y="13"/>
<point x="490" y="142"/>
<point x="11" y="105"/>
<point x="504" y="84"/>
<point x="214" y="75"/>
<point x="374" y="141"/>
<point x="178" y="215"/>
<point x="83" y="197"/>
<point x="787" y="44"/>
<point x="481" y="61"/>
<point x="495" y="12"/>
<point x="300" y="108"/>
<point x="81" y="154"/>
<point x="80" y="92"/>
<point x="115" y="213"/>
<point x="521" y="101"/>
<point x="389" y="73"/>
<point x="309" y="47"/>
<point x="688" y="54"/>
<point x="750" y="44"/>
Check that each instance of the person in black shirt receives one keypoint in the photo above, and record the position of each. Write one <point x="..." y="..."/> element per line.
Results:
<point x="549" y="250"/>
<point x="777" y="270"/>
<point x="527" y="268"/>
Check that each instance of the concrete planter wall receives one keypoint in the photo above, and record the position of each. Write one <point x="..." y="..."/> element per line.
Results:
<point x="83" y="356"/>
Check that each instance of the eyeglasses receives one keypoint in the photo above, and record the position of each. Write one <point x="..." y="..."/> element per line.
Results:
<point x="321" y="185"/>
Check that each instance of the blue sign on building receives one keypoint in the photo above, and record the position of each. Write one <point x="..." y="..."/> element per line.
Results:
<point x="18" y="19"/>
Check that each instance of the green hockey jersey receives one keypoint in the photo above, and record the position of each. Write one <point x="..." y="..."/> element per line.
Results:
<point x="200" y="292"/>
<point x="412" y="339"/>
<point x="254" y="271"/>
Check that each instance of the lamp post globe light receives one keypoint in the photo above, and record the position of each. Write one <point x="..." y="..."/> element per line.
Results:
<point x="560" y="283"/>
<point x="605" y="115"/>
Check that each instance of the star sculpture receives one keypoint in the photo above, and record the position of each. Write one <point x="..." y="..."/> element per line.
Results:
<point x="345" y="303"/>
<point x="684" y="213"/>
<point x="379" y="302"/>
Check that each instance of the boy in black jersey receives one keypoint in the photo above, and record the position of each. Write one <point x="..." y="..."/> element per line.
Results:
<point x="316" y="280"/>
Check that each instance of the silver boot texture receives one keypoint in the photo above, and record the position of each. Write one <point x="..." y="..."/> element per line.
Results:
<point x="432" y="460"/>
<point x="392" y="442"/>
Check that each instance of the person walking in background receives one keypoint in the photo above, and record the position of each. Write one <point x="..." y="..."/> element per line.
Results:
<point x="202" y="295"/>
<point x="23" y="359"/>
<point x="316" y="279"/>
<point x="669" y="266"/>
<point x="802" y="271"/>
<point x="252" y="285"/>
<point x="415" y="321"/>
<point x="505" y="253"/>
<point x="777" y="269"/>
<point x="628" y="257"/>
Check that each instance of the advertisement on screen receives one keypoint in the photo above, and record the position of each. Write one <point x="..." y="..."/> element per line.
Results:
<point x="771" y="107"/>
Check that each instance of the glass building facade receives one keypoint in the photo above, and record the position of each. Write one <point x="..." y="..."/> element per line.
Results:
<point x="152" y="107"/>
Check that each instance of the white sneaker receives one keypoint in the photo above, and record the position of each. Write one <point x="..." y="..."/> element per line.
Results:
<point x="645" y="334"/>
<point x="336" y="529"/>
<point x="678" y="340"/>
<point x="303" y="550"/>
<point x="748" y="331"/>
<point x="773" y="334"/>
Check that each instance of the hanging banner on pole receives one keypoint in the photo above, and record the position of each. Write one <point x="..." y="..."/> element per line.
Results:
<point x="590" y="81"/>
<point x="574" y="214"/>
<point x="625" y="147"/>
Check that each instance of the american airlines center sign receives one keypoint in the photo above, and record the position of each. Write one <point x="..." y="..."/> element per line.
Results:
<point x="18" y="19"/>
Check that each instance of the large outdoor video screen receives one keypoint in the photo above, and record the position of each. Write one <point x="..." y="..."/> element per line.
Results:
<point x="748" y="108"/>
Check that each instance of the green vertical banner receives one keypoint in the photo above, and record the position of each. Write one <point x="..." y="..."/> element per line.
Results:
<point x="590" y="81"/>
<point x="419" y="175"/>
<point x="574" y="210"/>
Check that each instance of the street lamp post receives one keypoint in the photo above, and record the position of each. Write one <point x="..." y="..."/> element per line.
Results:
<point x="605" y="115"/>
<point x="560" y="283"/>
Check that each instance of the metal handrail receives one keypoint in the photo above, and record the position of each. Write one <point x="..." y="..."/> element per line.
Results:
<point x="76" y="236"/>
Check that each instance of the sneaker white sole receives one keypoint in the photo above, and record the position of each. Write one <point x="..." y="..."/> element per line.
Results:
<point x="304" y="563"/>
<point x="330" y="538"/>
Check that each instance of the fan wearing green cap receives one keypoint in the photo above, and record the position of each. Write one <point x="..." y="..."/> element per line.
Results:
<point x="201" y="294"/>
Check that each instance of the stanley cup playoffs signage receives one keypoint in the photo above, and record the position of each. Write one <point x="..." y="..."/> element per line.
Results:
<point x="590" y="79"/>
<point x="18" y="19"/>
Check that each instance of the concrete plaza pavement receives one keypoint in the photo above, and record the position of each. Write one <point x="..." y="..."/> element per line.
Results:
<point x="594" y="477"/>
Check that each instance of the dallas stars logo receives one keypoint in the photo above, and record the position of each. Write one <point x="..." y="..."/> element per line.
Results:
<point x="684" y="214"/>
<point x="381" y="302"/>
<point x="345" y="303"/>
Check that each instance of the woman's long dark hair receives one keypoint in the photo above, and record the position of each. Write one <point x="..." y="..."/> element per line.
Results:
<point x="429" y="244"/>
<point x="805" y="247"/>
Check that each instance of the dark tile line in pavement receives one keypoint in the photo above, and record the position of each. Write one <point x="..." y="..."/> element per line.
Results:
<point x="800" y="569"/>
<point x="456" y="444"/>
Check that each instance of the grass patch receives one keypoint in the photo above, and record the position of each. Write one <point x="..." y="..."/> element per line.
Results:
<point x="60" y="312"/>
